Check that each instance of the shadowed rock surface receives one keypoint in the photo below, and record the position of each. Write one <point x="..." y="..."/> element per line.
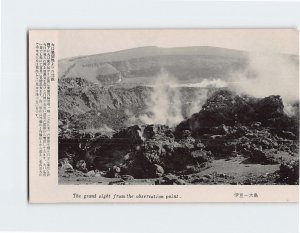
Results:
<point x="229" y="133"/>
<point x="87" y="106"/>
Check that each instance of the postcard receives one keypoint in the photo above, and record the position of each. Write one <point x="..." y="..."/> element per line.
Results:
<point x="163" y="115"/>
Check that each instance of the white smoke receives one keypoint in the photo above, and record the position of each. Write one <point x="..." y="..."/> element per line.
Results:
<point x="205" y="83"/>
<point x="200" y="93"/>
<point x="105" y="129"/>
<point x="164" y="105"/>
<point x="132" y="119"/>
<point x="265" y="75"/>
<point x="269" y="74"/>
<point x="199" y="98"/>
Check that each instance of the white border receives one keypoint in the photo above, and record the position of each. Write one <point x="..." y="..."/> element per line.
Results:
<point x="17" y="214"/>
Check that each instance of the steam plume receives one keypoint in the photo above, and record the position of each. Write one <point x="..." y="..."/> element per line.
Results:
<point x="164" y="105"/>
<point x="269" y="75"/>
<point x="199" y="98"/>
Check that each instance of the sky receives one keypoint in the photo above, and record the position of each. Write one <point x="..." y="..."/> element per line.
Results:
<point x="86" y="42"/>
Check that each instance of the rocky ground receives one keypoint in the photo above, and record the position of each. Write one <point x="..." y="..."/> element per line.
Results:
<point x="222" y="171"/>
<point x="234" y="139"/>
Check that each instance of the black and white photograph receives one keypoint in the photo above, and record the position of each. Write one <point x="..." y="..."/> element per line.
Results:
<point x="178" y="107"/>
<point x="169" y="116"/>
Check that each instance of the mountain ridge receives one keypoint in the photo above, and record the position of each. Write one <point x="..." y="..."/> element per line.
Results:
<point x="139" y="65"/>
<point x="152" y="47"/>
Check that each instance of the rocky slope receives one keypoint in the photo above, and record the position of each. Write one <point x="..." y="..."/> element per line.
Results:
<point x="83" y="105"/>
<point x="87" y="106"/>
<point x="230" y="132"/>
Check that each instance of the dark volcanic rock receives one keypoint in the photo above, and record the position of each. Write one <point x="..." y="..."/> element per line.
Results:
<point x="268" y="108"/>
<point x="227" y="108"/>
<point x="130" y="135"/>
<point x="289" y="172"/>
<point x="81" y="166"/>
<point x="228" y="125"/>
<point x="127" y="177"/>
<point x="160" y="153"/>
<point x="170" y="179"/>
<point x="231" y="124"/>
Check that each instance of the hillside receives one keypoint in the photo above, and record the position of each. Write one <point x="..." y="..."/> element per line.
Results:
<point x="86" y="106"/>
<point x="140" y="66"/>
<point x="170" y="116"/>
<point x="234" y="139"/>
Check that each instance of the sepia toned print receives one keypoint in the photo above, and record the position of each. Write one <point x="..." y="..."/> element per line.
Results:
<point x="168" y="115"/>
<point x="189" y="115"/>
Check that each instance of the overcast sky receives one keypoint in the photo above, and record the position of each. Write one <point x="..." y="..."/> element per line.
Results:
<point x="85" y="42"/>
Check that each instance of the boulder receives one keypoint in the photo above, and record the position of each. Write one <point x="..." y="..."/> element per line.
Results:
<point x="186" y="134"/>
<point x="269" y="107"/>
<point x="289" y="172"/>
<point x="152" y="131"/>
<point x="127" y="177"/>
<point x="220" y="130"/>
<point x="201" y="156"/>
<point x="170" y="179"/>
<point x="128" y="136"/>
<point x="225" y="108"/>
<point x="257" y="155"/>
<point x="159" y="171"/>
<point x="113" y="172"/>
<point x="91" y="173"/>
<point x="68" y="168"/>
<point x="81" y="166"/>
<point x="116" y="169"/>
